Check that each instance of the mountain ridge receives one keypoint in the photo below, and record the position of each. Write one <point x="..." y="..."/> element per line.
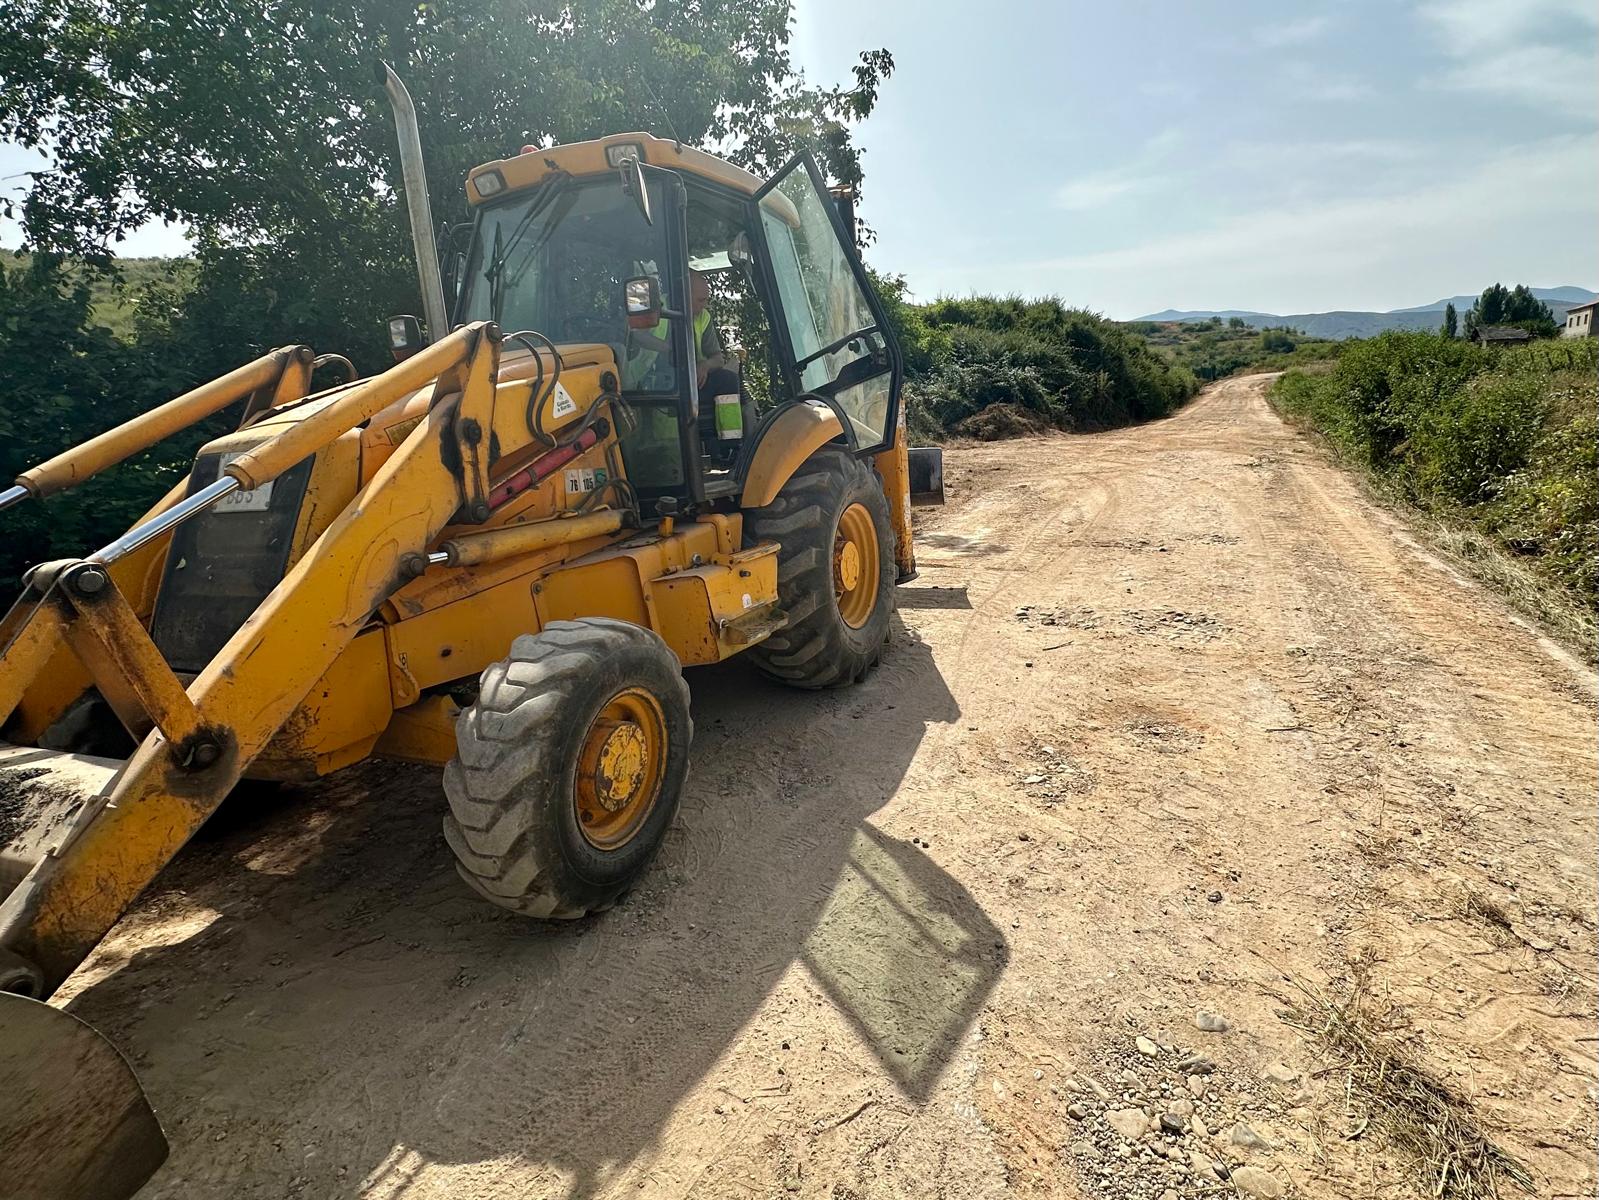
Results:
<point x="1347" y="323"/>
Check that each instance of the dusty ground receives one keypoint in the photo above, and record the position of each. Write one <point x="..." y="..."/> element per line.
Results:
<point x="1174" y="721"/>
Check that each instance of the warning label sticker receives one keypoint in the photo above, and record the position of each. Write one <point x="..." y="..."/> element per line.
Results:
<point x="564" y="405"/>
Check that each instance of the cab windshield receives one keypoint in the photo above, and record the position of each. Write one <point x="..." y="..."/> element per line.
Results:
<point x="554" y="260"/>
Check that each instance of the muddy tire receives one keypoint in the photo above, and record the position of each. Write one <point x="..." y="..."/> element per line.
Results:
<point x="835" y="572"/>
<point x="568" y="767"/>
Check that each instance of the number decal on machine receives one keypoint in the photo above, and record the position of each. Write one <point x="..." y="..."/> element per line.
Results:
<point x="256" y="500"/>
<point x="584" y="479"/>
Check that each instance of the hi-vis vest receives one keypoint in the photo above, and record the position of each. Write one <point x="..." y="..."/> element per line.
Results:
<point x="640" y="362"/>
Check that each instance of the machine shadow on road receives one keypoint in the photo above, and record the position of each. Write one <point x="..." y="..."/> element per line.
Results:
<point x="320" y="989"/>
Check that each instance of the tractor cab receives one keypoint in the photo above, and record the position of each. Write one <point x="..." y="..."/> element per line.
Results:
<point x="723" y="300"/>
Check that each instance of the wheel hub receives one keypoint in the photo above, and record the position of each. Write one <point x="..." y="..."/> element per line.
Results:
<point x="855" y="569"/>
<point x="849" y="566"/>
<point x="621" y="766"/>
<point x="620" y="769"/>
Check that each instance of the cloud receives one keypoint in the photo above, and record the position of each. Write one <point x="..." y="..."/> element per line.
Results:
<point x="1536" y="52"/>
<point x="1308" y="81"/>
<point x="1096" y="189"/>
<point x="1293" y="33"/>
<point x="1099" y="189"/>
<point x="1521" y="216"/>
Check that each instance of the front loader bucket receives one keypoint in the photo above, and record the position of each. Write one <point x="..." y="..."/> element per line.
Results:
<point x="41" y="791"/>
<point x="74" y="1122"/>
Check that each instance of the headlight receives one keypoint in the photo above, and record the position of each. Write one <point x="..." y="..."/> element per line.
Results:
<point x="623" y="152"/>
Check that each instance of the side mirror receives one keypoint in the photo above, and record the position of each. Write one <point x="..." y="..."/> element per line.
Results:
<point x="405" y="337"/>
<point x="642" y="295"/>
<point x="452" y="247"/>
<point x="633" y="184"/>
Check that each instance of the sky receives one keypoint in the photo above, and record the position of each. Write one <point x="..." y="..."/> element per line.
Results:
<point x="1138" y="155"/>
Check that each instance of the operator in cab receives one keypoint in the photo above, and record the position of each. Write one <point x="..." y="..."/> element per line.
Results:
<point x="721" y="411"/>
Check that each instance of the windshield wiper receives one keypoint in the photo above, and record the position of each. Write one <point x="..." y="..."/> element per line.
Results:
<point x="495" y="270"/>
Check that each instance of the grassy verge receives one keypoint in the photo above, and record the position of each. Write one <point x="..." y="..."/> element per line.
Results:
<point x="1495" y="453"/>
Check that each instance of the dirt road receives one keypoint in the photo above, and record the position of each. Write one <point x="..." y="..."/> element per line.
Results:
<point x="1174" y="721"/>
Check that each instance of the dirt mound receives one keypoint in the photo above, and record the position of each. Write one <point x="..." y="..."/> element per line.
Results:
<point x="1000" y="421"/>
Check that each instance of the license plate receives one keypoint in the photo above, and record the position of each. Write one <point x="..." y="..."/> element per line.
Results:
<point x="256" y="500"/>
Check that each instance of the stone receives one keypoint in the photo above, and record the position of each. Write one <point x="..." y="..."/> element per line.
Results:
<point x="1214" y="897"/>
<point x="1253" y="1181"/>
<point x="1209" y="1022"/>
<point x="1182" y="1107"/>
<point x="1146" y="1047"/>
<point x="1242" y="1135"/>
<point x="1129" y="1122"/>
<point x="1173" y="1123"/>
<point x="1195" y="1064"/>
<point x="1168" y="1194"/>
<point x="1278" y="1073"/>
<point x="1196" y="1087"/>
<point x="1082" y="1149"/>
<point x="1077" y="1111"/>
<point x="1096" y="1087"/>
<point x="1201" y="1130"/>
<point x="1202" y="1166"/>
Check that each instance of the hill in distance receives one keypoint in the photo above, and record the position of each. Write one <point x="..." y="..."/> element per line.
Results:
<point x="1348" y="324"/>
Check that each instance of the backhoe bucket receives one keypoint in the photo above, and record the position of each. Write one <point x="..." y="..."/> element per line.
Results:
<point x="927" y="475"/>
<point x="74" y="1122"/>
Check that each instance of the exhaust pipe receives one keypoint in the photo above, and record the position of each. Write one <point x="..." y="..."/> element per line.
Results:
<point x="416" y="203"/>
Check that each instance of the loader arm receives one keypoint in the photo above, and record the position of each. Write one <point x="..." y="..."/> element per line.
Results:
<point x="271" y="380"/>
<point x="203" y="736"/>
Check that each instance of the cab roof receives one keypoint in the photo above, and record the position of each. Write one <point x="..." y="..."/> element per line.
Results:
<point x="537" y="163"/>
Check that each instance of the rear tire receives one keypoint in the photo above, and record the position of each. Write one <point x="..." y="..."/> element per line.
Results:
<point x="835" y="572"/>
<point x="568" y="768"/>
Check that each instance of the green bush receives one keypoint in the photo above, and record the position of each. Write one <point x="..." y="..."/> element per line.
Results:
<point x="1551" y="508"/>
<point x="1469" y="439"/>
<point x="1073" y="368"/>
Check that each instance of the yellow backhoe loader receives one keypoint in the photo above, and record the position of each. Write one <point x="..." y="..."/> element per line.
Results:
<point x="496" y="557"/>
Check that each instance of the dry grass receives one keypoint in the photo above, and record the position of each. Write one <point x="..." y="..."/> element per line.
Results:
<point x="1474" y="904"/>
<point x="1390" y="1093"/>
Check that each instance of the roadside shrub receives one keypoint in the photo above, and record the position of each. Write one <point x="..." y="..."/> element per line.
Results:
<point x="1551" y="508"/>
<point x="1073" y="368"/>
<point x="1386" y="382"/>
<point x="1469" y="439"/>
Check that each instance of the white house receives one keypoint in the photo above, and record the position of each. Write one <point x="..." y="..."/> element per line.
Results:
<point x="1579" y="320"/>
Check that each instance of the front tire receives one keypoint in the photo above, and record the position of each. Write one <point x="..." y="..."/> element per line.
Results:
<point x="835" y="572"/>
<point x="568" y="768"/>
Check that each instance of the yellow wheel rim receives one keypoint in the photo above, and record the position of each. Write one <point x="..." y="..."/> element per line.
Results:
<point x="855" y="565"/>
<point x="620" y="769"/>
